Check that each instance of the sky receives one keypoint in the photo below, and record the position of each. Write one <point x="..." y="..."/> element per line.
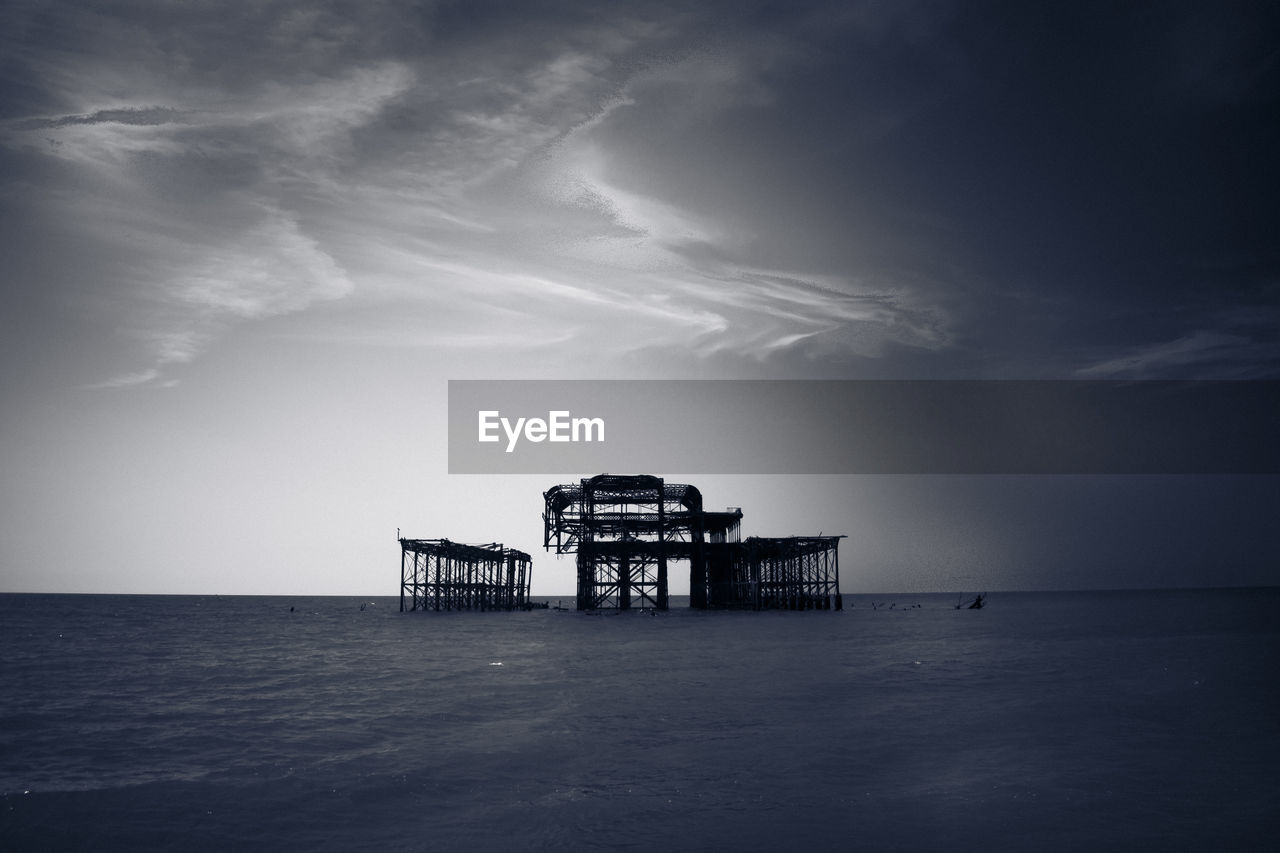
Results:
<point x="246" y="245"/>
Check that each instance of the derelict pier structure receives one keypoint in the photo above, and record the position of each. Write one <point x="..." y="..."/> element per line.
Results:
<point x="626" y="531"/>
<point x="789" y="573"/>
<point x="436" y="574"/>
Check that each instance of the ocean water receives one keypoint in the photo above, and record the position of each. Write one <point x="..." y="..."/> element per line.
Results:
<point x="1047" y="721"/>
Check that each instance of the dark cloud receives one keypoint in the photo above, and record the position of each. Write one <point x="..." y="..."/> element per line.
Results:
<point x="1060" y="187"/>
<point x="141" y="116"/>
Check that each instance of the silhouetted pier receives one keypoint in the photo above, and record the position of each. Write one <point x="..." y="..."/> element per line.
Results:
<point x="627" y="529"/>
<point x="436" y="574"/>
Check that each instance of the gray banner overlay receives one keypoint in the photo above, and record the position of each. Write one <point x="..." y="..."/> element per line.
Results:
<point x="863" y="427"/>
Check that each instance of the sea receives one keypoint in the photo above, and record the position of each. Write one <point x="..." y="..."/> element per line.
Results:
<point x="1062" y="721"/>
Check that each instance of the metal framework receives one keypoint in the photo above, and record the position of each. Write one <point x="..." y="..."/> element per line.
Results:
<point x="793" y="573"/>
<point x="626" y="530"/>
<point x="436" y="574"/>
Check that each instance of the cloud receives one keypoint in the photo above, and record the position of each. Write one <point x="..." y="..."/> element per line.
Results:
<point x="245" y="175"/>
<point x="696" y="262"/>
<point x="272" y="269"/>
<point x="146" y="116"/>
<point x="192" y="212"/>
<point x="192" y="285"/>
<point x="1202" y="354"/>
<point x="127" y="380"/>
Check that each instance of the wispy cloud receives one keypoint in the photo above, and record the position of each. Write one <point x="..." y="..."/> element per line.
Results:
<point x="194" y="207"/>
<point x="1202" y="354"/>
<point x="483" y="178"/>
<point x="146" y="116"/>
<point x="127" y="380"/>
<point x="697" y="261"/>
